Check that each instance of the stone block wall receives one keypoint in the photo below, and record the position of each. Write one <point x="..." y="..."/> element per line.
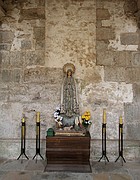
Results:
<point x="22" y="71"/>
<point x="119" y="55"/>
<point x="37" y="38"/>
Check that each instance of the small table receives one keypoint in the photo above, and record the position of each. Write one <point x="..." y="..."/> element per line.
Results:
<point x="68" y="153"/>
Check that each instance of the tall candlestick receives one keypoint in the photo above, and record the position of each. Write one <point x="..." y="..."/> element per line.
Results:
<point x="104" y="116"/>
<point x="23" y="131"/>
<point x="38" y="117"/>
<point x="121" y="121"/>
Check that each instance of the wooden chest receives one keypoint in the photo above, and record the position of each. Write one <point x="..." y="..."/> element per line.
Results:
<point x="68" y="150"/>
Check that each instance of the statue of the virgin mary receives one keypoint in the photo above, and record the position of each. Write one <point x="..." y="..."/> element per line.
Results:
<point x="69" y="98"/>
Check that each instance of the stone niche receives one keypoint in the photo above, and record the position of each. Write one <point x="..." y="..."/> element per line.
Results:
<point x="37" y="38"/>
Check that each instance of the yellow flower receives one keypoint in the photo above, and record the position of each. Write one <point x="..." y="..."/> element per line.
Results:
<point x="86" y="116"/>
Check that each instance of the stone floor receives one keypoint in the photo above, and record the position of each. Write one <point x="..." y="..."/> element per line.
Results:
<point x="34" y="170"/>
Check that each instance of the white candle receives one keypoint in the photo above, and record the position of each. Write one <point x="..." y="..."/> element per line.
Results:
<point x="121" y="121"/>
<point x="38" y="117"/>
<point x="104" y="116"/>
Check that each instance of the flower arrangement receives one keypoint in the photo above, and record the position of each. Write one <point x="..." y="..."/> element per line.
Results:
<point x="58" y="118"/>
<point x="86" y="119"/>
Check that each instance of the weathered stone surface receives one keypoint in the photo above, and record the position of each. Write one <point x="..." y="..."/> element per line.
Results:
<point x="120" y="24"/>
<point x="15" y="175"/>
<point x="101" y="46"/>
<point x="6" y="75"/>
<point x="129" y="38"/>
<point x="122" y="74"/>
<point x="25" y="4"/>
<point x="5" y="47"/>
<point x="136" y="90"/>
<point x="133" y="75"/>
<point x="105" y="34"/>
<point x="39" y="34"/>
<point x="30" y="14"/>
<point x="114" y="58"/>
<point x="36" y="23"/>
<point x="70" y="36"/>
<point x="4" y="95"/>
<point x="120" y="177"/>
<point x="99" y="24"/>
<point x="132" y="147"/>
<point x="136" y="59"/>
<point x="19" y="93"/>
<point x="102" y="14"/>
<point x="6" y="36"/>
<point x="132" y="112"/>
<point x="4" y="59"/>
<point x="115" y="74"/>
<point x="40" y="74"/>
<point x="104" y="176"/>
<point x="25" y="44"/>
<point x="0" y="59"/>
<point x="106" y="23"/>
<point x="130" y="7"/>
<point x="16" y="73"/>
<point x="34" y="58"/>
<point x="40" y="45"/>
<point x="17" y="59"/>
<point x="7" y="145"/>
<point x="34" y="74"/>
<point x="11" y="75"/>
<point x="100" y="4"/>
<point x="133" y="131"/>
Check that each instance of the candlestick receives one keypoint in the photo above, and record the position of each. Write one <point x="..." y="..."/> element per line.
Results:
<point x="121" y="140"/>
<point x="37" y="135"/>
<point x="23" y="134"/>
<point x="38" y="117"/>
<point x="121" y="121"/>
<point x="104" y="116"/>
<point x="104" y="141"/>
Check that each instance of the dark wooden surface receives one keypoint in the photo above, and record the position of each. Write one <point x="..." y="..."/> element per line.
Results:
<point x="68" y="152"/>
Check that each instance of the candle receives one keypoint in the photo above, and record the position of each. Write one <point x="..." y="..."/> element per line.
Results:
<point x="23" y="120"/>
<point x="104" y="116"/>
<point x="121" y="121"/>
<point x="38" y="117"/>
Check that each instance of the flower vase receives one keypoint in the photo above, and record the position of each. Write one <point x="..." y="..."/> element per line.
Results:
<point x="86" y="127"/>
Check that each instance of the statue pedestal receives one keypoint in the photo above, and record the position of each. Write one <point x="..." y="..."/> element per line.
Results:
<point x="68" y="153"/>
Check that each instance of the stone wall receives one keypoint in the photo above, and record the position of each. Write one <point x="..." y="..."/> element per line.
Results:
<point x="100" y="39"/>
<point x="22" y="71"/>
<point x="118" y="52"/>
